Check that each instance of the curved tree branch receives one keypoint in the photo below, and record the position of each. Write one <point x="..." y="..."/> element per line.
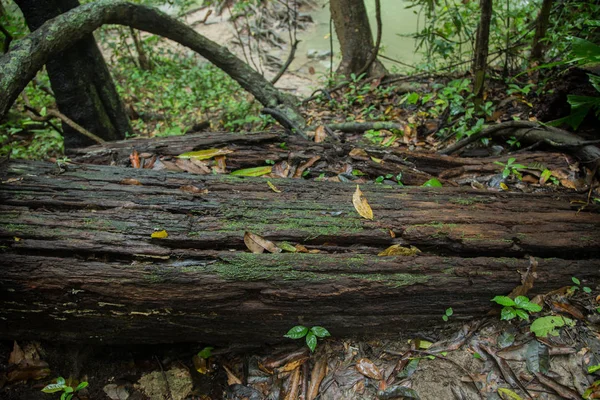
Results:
<point x="29" y="54"/>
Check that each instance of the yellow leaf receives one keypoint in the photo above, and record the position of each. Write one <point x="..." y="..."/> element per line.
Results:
<point x="205" y="154"/>
<point x="273" y="187"/>
<point x="17" y="239"/>
<point x="258" y="244"/>
<point x="159" y="234"/>
<point x="285" y="246"/>
<point x="503" y="186"/>
<point x="508" y="394"/>
<point x="256" y="171"/>
<point x="377" y="160"/>
<point x="361" y="204"/>
<point x="397" y="250"/>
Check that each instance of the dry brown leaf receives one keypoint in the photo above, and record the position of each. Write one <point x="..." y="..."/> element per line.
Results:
<point x="231" y="378"/>
<point x="361" y="204"/>
<point x="130" y="181"/>
<point x="292" y="365"/>
<point x="368" y="369"/>
<point x="316" y="377"/>
<point x="134" y="158"/>
<point x="281" y="169"/>
<point x="301" y="249"/>
<point x="221" y="167"/>
<point x="193" y="189"/>
<point x="17" y="354"/>
<point x="300" y="170"/>
<point x="397" y="250"/>
<point x="294" y="388"/>
<point x="358" y="153"/>
<point x="258" y="244"/>
<point x="320" y="134"/>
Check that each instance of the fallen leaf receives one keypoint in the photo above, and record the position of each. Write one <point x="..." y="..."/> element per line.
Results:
<point x="358" y="153"/>
<point x="273" y="187"/>
<point x="193" y="189"/>
<point x="320" y="134"/>
<point x="300" y="170"/>
<point x="292" y="365"/>
<point x="205" y="154"/>
<point x="361" y="204"/>
<point x="506" y="394"/>
<point x="301" y="248"/>
<point x="294" y="387"/>
<point x="256" y="171"/>
<point x="376" y="160"/>
<point x="231" y="378"/>
<point x="258" y="244"/>
<point x="397" y="250"/>
<point x="316" y="377"/>
<point x="285" y="246"/>
<point x="159" y="234"/>
<point x="368" y="369"/>
<point x="130" y="181"/>
<point x="134" y="158"/>
<point x="221" y="165"/>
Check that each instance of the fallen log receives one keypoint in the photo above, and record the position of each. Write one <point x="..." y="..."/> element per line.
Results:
<point x="80" y="262"/>
<point x="251" y="150"/>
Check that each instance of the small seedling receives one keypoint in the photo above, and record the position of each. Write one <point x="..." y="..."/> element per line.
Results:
<point x="448" y="314"/>
<point x="299" y="331"/>
<point x="519" y="307"/>
<point x="510" y="168"/>
<point x="68" y="391"/>
<point x="578" y="286"/>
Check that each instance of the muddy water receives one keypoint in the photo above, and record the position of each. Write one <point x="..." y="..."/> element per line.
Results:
<point x="397" y="20"/>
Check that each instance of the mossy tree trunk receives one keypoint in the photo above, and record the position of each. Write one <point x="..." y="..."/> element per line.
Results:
<point x="80" y="79"/>
<point x="79" y="262"/>
<point x="29" y="54"/>
<point x="355" y="37"/>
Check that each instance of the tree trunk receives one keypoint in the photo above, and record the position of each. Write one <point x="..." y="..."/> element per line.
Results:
<point x="80" y="79"/>
<point x="481" y="51"/>
<point x="80" y="263"/>
<point x="541" y="26"/>
<point x="29" y="54"/>
<point x="355" y="37"/>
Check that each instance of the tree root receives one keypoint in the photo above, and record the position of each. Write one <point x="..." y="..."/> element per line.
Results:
<point x="357" y="127"/>
<point x="533" y="132"/>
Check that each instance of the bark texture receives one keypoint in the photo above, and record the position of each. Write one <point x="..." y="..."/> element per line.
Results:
<point x="80" y="263"/>
<point x="481" y="50"/>
<point x="80" y="79"/>
<point x="29" y="54"/>
<point x="355" y="37"/>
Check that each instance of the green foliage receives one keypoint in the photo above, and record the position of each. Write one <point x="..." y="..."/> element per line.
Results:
<point x="578" y="286"/>
<point x="433" y="182"/>
<point x="205" y="352"/>
<point x="447" y="314"/>
<point x="519" y="307"/>
<point x="311" y="335"/>
<point x="544" y="326"/>
<point x="510" y="168"/>
<point x="61" y="386"/>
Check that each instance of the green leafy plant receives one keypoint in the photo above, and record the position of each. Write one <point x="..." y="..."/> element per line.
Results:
<point x="544" y="326"/>
<point x="311" y="335"/>
<point x="447" y="314"/>
<point x="519" y="307"/>
<point x="578" y="286"/>
<point x="510" y="168"/>
<point x="433" y="182"/>
<point x="205" y="352"/>
<point x="61" y="385"/>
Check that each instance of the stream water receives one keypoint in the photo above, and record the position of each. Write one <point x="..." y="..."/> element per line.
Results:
<point x="396" y="20"/>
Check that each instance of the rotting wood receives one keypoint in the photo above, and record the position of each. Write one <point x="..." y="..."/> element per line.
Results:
<point x="251" y="150"/>
<point x="79" y="262"/>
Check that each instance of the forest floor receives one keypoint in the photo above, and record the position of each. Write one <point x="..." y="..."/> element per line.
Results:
<point x="487" y="358"/>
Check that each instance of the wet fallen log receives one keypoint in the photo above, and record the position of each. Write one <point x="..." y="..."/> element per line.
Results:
<point x="80" y="262"/>
<point x="251" y="150"/>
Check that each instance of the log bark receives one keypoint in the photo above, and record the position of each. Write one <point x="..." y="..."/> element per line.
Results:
<point x="481" y="50"/>
<point x="251" y="150"/>
<point x="79" y="262"/>
<point x="29" y="54"/>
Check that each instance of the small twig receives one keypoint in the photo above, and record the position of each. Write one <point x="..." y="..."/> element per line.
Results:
<point x="164" y="374"/>
<point x="396" y="61"/>
<point x="56" y="114"/>
<point x="373" y="55"/>
<point x="287" y="63"/>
